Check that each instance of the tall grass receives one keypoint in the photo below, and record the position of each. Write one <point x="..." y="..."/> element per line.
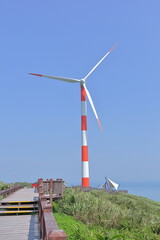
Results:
<point x="124" y="214"/>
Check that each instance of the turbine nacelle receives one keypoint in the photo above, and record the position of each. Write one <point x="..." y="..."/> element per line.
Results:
<point x="83" y="81"/>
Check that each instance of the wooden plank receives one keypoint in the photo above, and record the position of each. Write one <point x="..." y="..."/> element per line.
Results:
<point x="10" y="202"/>
<point x="18" y="211"/>
<point x="17" y="206"/>
<point x="19" y="227"/>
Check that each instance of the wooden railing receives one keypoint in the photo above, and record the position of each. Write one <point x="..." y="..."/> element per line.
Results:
<point x="48" y="226"/>
<point x="6" y="192"/>
<point x="49" y="189"/>
<point x="52" y="187"/>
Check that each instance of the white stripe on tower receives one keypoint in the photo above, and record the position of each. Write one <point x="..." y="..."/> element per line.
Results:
<point x="85" y="165"/>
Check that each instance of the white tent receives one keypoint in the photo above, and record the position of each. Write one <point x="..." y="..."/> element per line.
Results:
<point x="112" y="184"/>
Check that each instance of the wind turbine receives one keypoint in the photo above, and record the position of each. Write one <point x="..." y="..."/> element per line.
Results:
<point x="84" y="93"/>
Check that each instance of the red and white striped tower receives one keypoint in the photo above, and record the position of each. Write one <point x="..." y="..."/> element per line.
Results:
<point x="85" y="164"/>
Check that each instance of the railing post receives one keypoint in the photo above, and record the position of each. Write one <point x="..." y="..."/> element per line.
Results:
<point x="42" y="199"/>
<point x="40" y="185"/>
<point x="47" y="186"/>
<point x="41" y="191"/>
<point x="51" y="191"/>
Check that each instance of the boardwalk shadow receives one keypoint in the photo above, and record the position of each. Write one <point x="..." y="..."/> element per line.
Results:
<point x="34" y="230"/>
<point x="37" y="197"/>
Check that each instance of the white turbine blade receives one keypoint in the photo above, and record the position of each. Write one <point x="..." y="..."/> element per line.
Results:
<point x="100" y="61"/>
<point x="92" y="105"/>
<point x="72" y="80"/>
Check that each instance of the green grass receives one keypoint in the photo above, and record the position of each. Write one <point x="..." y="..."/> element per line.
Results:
<point x="99" y="215"/>
<point x="3" y="185"/>
<point x="24" y="184"/>
<point x="8" y="185"/>
<point x="74" y="228"/>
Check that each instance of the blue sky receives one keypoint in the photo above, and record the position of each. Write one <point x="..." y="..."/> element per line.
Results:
<point x="40" y="118"/>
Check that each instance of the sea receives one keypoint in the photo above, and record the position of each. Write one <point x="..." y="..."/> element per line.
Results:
<point x="150" y="190"/>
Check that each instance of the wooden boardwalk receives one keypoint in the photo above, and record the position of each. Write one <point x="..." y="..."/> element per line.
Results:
<point x="25" y="194"/>
<point x="20" y="227"/>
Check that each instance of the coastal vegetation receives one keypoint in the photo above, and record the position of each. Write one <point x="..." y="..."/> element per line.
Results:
<point x="24" y="184"/>
<point x="3" y="186"/>
<point x="98" y="215"/>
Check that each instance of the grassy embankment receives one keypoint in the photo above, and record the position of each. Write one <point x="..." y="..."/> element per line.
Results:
<point x="7" y="185"/>
<point x="2" y="187"/>
<point x="97" y="215"/>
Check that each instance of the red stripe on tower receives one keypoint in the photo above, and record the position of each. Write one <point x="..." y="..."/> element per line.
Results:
<point x="84" y="122"/>
<point x="85" y="182"/>
<point x="85" y="153"/>
<point x="83" y="94"/>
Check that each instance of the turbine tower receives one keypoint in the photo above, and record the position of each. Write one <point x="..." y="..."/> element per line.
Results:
<point x="84" y="94"/>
